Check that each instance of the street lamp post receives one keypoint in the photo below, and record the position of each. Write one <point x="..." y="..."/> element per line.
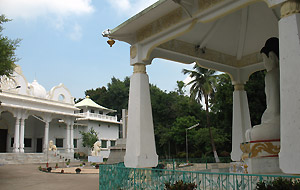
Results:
<point x="186" y="141"/>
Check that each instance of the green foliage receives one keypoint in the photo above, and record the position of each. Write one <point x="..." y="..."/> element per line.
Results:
<point x="222" y="103"/>
<point x="115" y="96"/>
<point x="7" y="51"/>
<point x="279" y="184"/>
<point x="180" y="88"/>
<point x="89" y="138"/>
<point x="255" y="89"/>
<point x="203" y="85"/>
<point x="173" y="112"/>
<point x="180" y="185"/>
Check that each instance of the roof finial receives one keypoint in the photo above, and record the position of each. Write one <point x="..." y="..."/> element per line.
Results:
<point x="87" y="96"/>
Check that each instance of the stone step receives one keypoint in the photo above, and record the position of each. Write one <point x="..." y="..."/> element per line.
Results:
<point x="23" y="158"/>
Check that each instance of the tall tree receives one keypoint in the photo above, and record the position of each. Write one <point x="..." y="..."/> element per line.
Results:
<point x="202" y="86"/>
<point x="7" y="51"/>
<point x="115" y="96"/>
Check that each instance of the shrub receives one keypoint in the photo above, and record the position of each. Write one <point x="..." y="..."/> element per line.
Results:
<point x="180" y="185"/>
<point x="279" y="184"/>
<point x="77" y="170"/>
<point x="49" y="169"/>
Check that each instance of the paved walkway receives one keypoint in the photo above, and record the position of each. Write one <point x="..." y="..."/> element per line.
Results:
<point x="28" y="177"/>
<point x="71" y="170"/>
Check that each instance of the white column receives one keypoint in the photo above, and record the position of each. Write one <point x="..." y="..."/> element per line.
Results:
<point x="17" y="136"/>
<point x="140" y="144"/>
<point x="241" y="120"/>
<point x="289" y="44"/>
<point x="72" y="138"/>
<point x="68" y="137"/>
<point x="46" y="137"/>
<point x="124" y="123"/>
<point x="22" y="131"/>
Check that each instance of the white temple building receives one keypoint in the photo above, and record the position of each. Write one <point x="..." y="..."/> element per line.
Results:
<point x="95" y="116"/>
<point x="31" y="117"/>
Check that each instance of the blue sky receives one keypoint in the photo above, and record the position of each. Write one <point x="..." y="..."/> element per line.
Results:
<point x="62" y="43"/>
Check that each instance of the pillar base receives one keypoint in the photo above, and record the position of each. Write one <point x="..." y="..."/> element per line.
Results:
<point x="16" y="150"/>
<point x="263" y="165"/>
<point x="141" y="161"/>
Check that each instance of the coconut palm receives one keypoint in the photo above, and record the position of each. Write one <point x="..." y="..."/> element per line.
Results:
<point x="202" y="86"/>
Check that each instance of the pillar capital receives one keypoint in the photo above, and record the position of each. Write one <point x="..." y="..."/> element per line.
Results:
<point x="290" y="7"/>
<point x="139" y="68"/>
<point x="239" y="87"/>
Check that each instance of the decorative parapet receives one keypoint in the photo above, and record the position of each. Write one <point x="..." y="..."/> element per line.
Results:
<point x="160" y="24"/>
<point x="205" y="4"/>
<point x="99" y="116"/>
<point x="290" y="7"/>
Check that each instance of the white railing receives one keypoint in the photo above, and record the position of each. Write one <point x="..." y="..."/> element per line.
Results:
<point x="99" y="116"/>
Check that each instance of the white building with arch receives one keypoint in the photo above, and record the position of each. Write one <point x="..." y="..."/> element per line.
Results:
<point x="31" y="117"/>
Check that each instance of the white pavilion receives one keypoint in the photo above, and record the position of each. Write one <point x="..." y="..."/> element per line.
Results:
<point x="224" y="35"/>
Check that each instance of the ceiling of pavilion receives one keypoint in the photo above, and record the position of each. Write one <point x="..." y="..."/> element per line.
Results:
<point x="240" y="33"/>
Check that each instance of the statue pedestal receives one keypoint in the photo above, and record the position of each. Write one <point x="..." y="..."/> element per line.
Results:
<point x="261" y="156"/>
<point x="95" y="159"/>
<point x="263" y="165"/>
<point x="117" y="152"/>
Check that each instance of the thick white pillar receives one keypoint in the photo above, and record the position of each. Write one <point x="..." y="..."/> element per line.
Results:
<point x="68" y="137"/>
<point x="289" y="44"/>
<point x="241" y="120"/>
<point x="72" y="138"/>
<point x="17" y="136"/>
<point x="22" y="132"/>
<point x="46" y="137"/>
<point x="140" y="144"/>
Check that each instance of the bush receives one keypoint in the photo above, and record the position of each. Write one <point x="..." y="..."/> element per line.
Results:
<point x="76" y="155"/>
<point x="49" y="169"/>
<point x="278" y="184"/>
<point x="78" y="170"/>
<point x="180" y="185"/>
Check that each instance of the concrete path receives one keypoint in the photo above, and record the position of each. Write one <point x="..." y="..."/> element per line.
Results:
<point x="28" y="177"/>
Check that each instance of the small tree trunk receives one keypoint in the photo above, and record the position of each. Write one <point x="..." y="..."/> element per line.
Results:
<point x="210" y="132"/>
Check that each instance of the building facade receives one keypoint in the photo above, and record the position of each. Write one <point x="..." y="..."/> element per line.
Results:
<point x="31" y="117"/>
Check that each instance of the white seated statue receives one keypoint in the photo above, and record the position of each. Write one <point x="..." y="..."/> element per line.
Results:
<point x="269" y="129"/>
<point x="52" y="146"/>
<point x="96" y="148"/>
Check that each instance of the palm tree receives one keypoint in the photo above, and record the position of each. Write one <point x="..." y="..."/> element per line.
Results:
<point x="203" y="84"/>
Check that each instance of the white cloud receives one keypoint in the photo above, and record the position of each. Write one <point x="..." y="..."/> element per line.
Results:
<point x="31" y="9"/>
<point x="130" y="7"/>
<point x="76" y="34"/>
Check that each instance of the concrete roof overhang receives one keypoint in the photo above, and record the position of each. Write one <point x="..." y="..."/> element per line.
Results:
<point x="225" y="35"/>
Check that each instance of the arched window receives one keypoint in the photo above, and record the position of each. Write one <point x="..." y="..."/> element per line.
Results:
<point x="61" y="98"/>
